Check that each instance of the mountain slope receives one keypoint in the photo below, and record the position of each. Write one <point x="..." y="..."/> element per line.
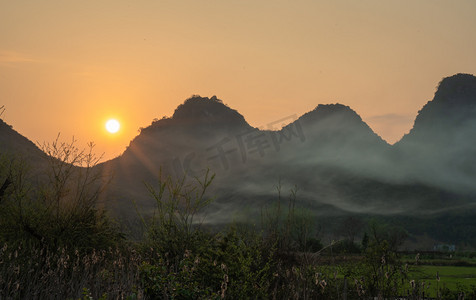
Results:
<point x="451" y="112"/>
<point x="183" y="143"/>
<point x="13" y="143"/>
<point x="441" y="147"/>
<point x="337" y="136"/>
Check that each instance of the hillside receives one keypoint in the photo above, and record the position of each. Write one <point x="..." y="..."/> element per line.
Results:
<point x="13" y="143"/>
<point x="440" y="149"/>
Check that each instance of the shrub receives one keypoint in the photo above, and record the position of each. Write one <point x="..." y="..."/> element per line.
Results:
<point x="57" y="208"/>
<point x="50" y="224"/>
<point x="184" y="261"/>
<point x="290" y="228"/>
<point x="381" y="273"/>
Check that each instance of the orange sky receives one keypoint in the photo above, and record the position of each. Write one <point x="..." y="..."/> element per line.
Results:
<point x="67" y="66"/>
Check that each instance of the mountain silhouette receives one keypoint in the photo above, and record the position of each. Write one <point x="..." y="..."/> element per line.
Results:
<point x="451" y="113"/>
<point x="13" y="143"/>
<point x="440" y="149"/>
<point x="336" y="134"/>
<point x="340" y="165"/>
<point x="17" y="152"/>
<point x="335" y="158"/>
<point x="176" y="145"/>
<point x="203" y="111"/>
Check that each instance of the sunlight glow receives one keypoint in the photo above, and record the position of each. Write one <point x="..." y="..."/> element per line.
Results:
<point x="113" y="126"/>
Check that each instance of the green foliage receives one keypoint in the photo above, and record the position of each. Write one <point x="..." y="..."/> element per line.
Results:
<point x="379" y="274"/>
<point x="173" y="241"/>
<point x="350" y="228"/>
<point x="365" y="241"/>
<point x="163" y="280"/>
<point x="346" y="247"/>
<point x="56" y="208"/>
<point x="185" y="261"/>
<point x="248" y="264"/>
<point x="382" y="271"/>
<point x="87" y="295"/>
<point x="55" y="239"/>
<point x="231" y="265"/>
<point x="314" y="245"/>
<point x="290" y="228"/>
<point x="445" y="281"/>
<point x="380" y="232"/>
<point x="173" y="227"/>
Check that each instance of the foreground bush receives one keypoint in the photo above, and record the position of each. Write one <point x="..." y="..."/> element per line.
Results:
<point x="54" y="241"/>
<point x="56" y="207"/>
<point x="186" y="261"/>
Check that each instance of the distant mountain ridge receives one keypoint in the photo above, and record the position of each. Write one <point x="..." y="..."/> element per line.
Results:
<point x="339" y="163"/>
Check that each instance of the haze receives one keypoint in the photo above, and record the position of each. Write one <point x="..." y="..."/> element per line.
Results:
<point x="68" y="66"/>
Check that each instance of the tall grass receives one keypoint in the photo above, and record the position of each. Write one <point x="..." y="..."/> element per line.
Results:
<point x="41" y="273"/>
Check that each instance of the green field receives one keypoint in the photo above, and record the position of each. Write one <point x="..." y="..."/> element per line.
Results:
<point x="452" y="277"/>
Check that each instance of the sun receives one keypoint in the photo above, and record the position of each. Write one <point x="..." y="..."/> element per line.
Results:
<point x="113" y="126"/>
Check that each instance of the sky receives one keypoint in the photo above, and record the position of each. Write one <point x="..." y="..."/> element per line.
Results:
<point x="68" y="66"/>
